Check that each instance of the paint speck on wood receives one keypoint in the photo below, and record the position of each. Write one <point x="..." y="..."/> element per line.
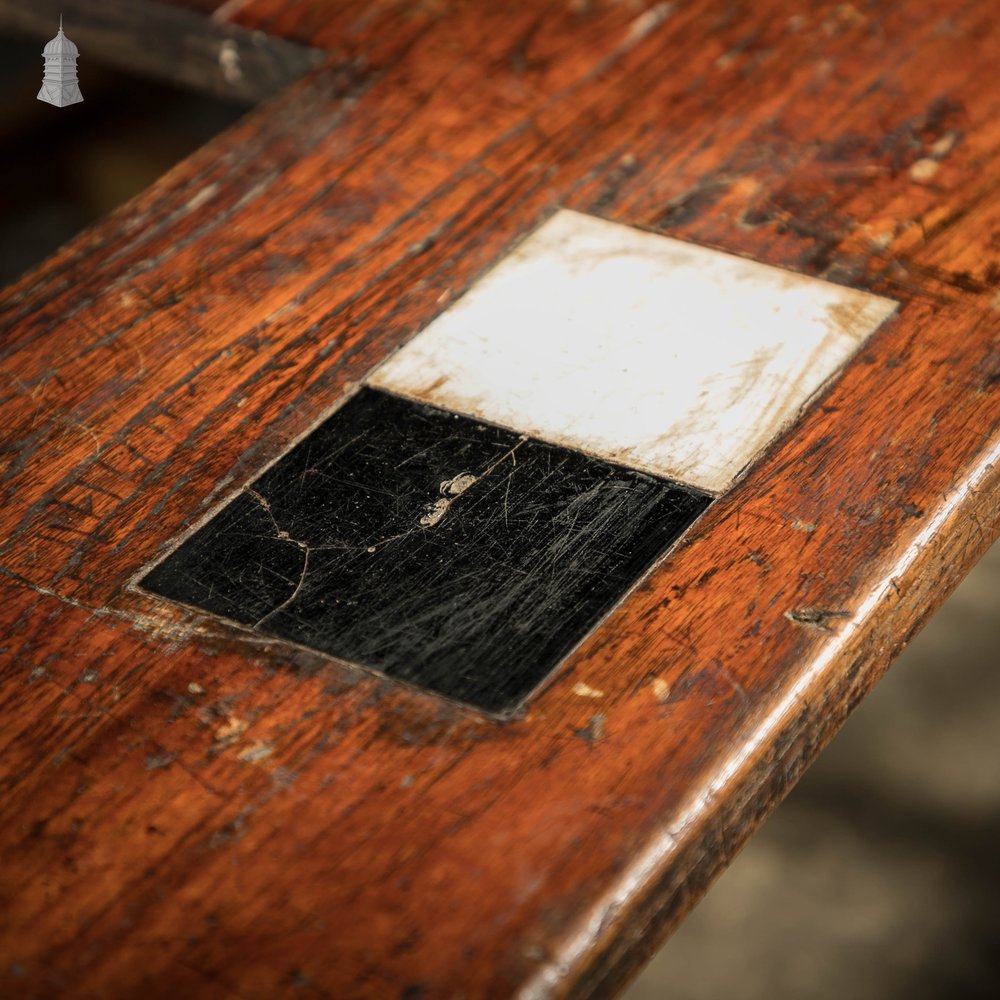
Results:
<point x="923" y="170"/>
<point x="256" y="752"/>
<point x="808" y="527"/>
<point x="660" y="689"/>
<point x="232" y="729"/>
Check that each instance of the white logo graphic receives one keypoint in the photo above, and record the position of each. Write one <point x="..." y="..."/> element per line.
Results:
<point x="59" y="86"/>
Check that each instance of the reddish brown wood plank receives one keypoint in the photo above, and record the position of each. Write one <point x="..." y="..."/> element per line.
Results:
<point x="291" y="822"/>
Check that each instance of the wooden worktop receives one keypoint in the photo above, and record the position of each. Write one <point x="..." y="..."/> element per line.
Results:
<point x="190" y="809"/>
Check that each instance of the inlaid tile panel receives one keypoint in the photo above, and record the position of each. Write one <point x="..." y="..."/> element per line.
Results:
<point x="664" y="356"/>
<point x="443" y="551"/>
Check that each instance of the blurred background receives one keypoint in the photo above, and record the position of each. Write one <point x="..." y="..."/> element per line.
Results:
<point x="63" y="168"/>
<point x="879" y="875"/>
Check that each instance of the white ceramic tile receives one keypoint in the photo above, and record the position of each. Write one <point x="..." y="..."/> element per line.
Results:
<point x="638" y="348"/>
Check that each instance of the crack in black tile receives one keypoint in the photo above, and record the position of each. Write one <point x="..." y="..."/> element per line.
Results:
<point x="457" y="556"/>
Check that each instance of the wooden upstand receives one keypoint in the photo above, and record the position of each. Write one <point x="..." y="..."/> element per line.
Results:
<point x="362" y="636"/>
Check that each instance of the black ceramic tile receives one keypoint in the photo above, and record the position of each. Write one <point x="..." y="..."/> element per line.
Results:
<point x="454" y="555"/>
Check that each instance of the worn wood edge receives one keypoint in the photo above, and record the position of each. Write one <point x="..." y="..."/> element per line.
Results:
<point x="169" y="43"/>
<point x="633" y="920"/>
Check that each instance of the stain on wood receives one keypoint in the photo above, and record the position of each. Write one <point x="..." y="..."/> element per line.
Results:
<point x="159" y="361"/>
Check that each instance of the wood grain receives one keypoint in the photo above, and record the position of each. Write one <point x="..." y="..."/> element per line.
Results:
<point x="185" y="808"/>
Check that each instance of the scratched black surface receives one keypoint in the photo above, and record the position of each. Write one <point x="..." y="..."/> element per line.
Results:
<point x="457" y="556"/>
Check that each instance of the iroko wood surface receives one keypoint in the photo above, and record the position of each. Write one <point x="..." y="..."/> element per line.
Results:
<point x="188" y="811"/>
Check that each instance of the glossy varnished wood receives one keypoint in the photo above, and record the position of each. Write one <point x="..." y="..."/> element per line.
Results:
<point x="186" y="808"/>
